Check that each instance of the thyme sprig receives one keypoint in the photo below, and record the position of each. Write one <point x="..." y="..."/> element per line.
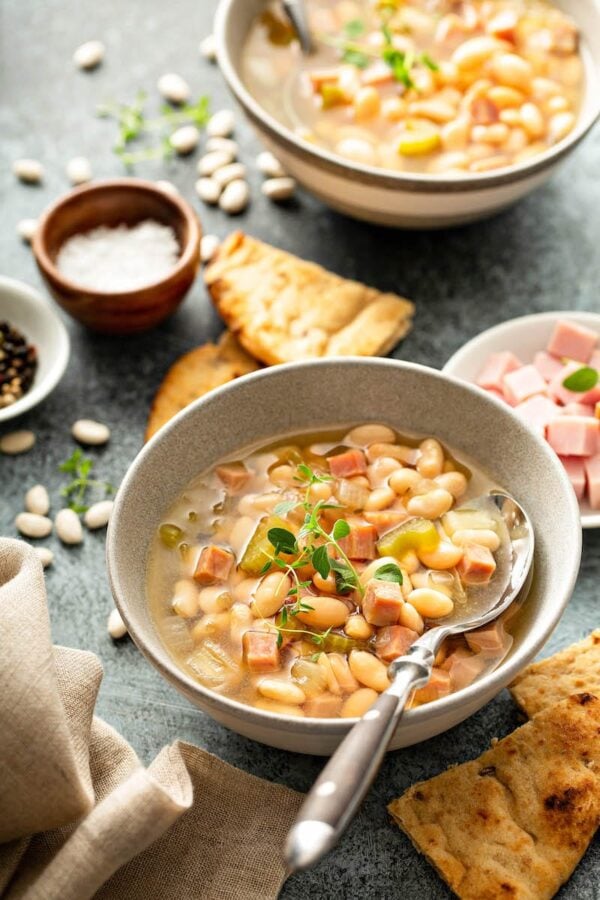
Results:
<point x="80" y="467"/>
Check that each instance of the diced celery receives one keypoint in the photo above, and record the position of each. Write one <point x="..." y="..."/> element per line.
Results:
<point x="414" y="534"/>
<point x="339" y="643"/>
<point x="309" y="676"/>
<point x="418" y="142"/>
<point x="260" y="549"/>
<point x="170" y="535"/>
<point x="213" y="666"/>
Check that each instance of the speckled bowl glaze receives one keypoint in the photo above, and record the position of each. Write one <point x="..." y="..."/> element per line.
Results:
<point x="404" y="199"/>
<point x="254" y="410"/>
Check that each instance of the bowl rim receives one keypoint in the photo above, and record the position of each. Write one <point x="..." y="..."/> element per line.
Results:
<point x="183" y="209"/>
<point x="308" y="725"/>
<point x="372" y="175"/>
<point x="44" y="310"/>
<point x="453" y="365"/>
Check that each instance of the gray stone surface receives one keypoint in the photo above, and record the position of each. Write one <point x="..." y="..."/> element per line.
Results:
<point x="540" y="255"/>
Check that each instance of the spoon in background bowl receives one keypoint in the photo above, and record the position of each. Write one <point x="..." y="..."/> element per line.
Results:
<point x="296" y="13"/>
<point x="338" y="792"/>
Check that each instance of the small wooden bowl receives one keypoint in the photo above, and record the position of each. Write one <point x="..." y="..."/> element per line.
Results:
<point x="115" y="202"/>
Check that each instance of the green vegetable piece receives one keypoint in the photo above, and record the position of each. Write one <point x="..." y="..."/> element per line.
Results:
<point x="414" y="534"/>
<point x="339" y="643"/>
<point x="170" y="535"/>
<point x="582" y="380"/>
<point x="260" y="549"/>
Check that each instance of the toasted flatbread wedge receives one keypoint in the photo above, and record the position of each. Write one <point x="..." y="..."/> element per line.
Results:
<point x="575" y="669"/>
<point x="283" y="308"/>
<point x="515" y="822"/>
<point x="196" y="373"/>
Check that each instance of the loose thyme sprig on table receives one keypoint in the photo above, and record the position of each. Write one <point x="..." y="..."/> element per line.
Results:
<point x="80" y="467"/>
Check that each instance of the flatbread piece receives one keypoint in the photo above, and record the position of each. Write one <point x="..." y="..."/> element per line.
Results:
<point x="514" y="823"/>
<point x="195" y="374"/>
<point x="546" y="682"/>
<point x="283" y="308"/>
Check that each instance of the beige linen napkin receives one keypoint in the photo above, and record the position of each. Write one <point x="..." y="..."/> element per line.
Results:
<point x="79" y="814"/>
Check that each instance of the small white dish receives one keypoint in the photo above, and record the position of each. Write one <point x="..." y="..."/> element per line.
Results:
<point x="524" y="337"/>
<point x="25" y="309"/>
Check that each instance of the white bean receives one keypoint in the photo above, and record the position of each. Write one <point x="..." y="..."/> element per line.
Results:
<point x="45" y="556"/>
<point x="37" y="500"/>
<point x="269" y="166"/>
<point x="98" y="514"/>
<point x="474" y="52"/>
<point x="410" y="618"/>
<point x="26" y="229"/>
<point x="369" y="670"/>
<point x="326" y="612"/>
<point x="17" y="442"/>
<point x="221" y="124"/>
<point x="282" y="691"/>
<point x="403" y="480"/>
<point x="358" y="703"/>
<point x="380" y="498"/>
<point x="429" y="603"/>
<point x="116" y="626"/>
<point x="89" y="55"/>
<point x="454" y="482"/>
<point x="280" y="709"/>
<point x="279" y="189"/>
<point x="358" y="628"/>
<point x="270" y="594"/>
<point x="79" y="170"/>
<point x="235" y="197"/>
<point x="431" y="460"/>
<point x="532" y="120"/>
<point x="213" y="623"/>
<point x="208" y="190"/>
<point x="512" y="70"/>
<point x="88" y="431"/>
<point x="208" y="247"/>
<point x="221" y="143"/>
<point x="560" y="125"/>
<point x="484" y="537"/>
<point x="185" y="139"/>
<point x="229" y="173"/>
<point x="186" y="599"/>
<point x="68" y="526"/>
<point x="364" y="435"/>
<point x="445" y="556"/>
<point x="241" y="620"/>
<point x="210" y="162"/>
<point x="29" y="171"/>
<point x="173" y="88"/>
<point x="32" y="525"/>
<point x="208" y="48"/>
<point x="431" y="505"/>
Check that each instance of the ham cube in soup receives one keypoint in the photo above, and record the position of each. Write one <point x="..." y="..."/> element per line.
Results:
<point x="360" y="543"/>
<point x="538" y="412"/>
<point x="497" y="366"/>
<point x="234" y="476"/>
<point x="575" y="469"/>
<point x="345" y="465"/>
<point x="574" y="435"/>
<point x="558" y="391"/>
<point x="437" y="686"/>
<point x="523" y="383"/>
<point x="578" y="409"/>
<point x="214" y="565"/>
<point x="548" y="366"/>
<point x="477" y="565"/>
<point x="489" y="641"/>
<point x="463" y="668"/>
<point x="261" y="652"/>
<point x="572" y="340"/>
<point x="393" y="641"/>
<point x="382" y="602"/>
<point x="592" y="472"/>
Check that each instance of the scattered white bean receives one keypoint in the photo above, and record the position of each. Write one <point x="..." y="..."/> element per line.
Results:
<point x="221" y="124"/>
<point x="268" y="164"/>
<point x="68" y="526"/>
<point x="17" y="442"/>
<point x="79" y="170"/>
<point x="221" y="143"/>
<point x="208" y="164"/>
<point x="89" y="55"/>
<point x="185" y="139"/>
<point x="37" y="500"/>
<point x="229" y="173"/>
<point x="116" y="626"/>
<point x="279" y="189"/>
<point x="208" y="48"/>
<point x="208" y="190"/>
<point x="32" y="525"/>
<point x="235" y="197"/>
<point x="87" y="431"/>
<point x="45" y="556"/>
<point x="29" y="171"/>
<point x="98" y="514"/>
<point x="173" y="88"/>
<point x="167" y="186"/>
<point x="208" y="247"/>
<point x="26" y="229"/>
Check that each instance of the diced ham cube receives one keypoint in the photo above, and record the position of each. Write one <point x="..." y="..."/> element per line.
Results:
<point x="594" y="361"/>
<point x="558" y="391"/>
<point x="345" y="465"/>
<point x="234" y="476"/>
<point x="523" y="383"/>
<point x="592" y="472"/>
<point x="574" y="435"/>
<point x="548" y="366"/>
<point x="323" y="706"/>
<point x="575" y="469"/>
<point x="577" y="409"/>
<point x="538" y="412"/>
<point x="463" y="669"/>
<point x="360" y="543"/>
<point x="386" y="519"/>
<point x="477" y="565"/>
<point x="490" y="641"/>
<point x="394" y="641"/>
<point x="382" y="602"/>
<point x="572" y="340"/>
<point x="497" y="366"/>
<point x="214" y="564"/>
<point x="261" y="652"/>
<point x="437" y="686"/>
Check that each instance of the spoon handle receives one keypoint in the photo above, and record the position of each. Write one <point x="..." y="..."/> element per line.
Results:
<point x="296" y="13"/>
<point x="338" y="792"/>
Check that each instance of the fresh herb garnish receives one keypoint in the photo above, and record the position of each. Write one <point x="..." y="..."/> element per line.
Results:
<point x="80" y="467"/>
<point x="354" y="28"/>
<point x="584" y="379"/>
<point x="389" y="572"/>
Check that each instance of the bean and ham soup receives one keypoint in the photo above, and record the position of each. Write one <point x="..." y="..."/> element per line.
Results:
<point x="290" y="579"/>
<point x="430" y="86"/>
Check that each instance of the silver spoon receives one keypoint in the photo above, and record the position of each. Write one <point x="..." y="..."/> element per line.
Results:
<point x="339" y="790"/>
<point x="296" y="13"/>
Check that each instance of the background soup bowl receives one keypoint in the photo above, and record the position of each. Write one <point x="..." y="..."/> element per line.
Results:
<point x="314" y="395"/>
<point x="404" y="199"/>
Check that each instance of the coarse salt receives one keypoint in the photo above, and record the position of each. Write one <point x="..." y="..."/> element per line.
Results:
<point x="119" y="258"/>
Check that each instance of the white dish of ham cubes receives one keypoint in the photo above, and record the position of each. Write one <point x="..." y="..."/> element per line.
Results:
<point x="524" y="362"/>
